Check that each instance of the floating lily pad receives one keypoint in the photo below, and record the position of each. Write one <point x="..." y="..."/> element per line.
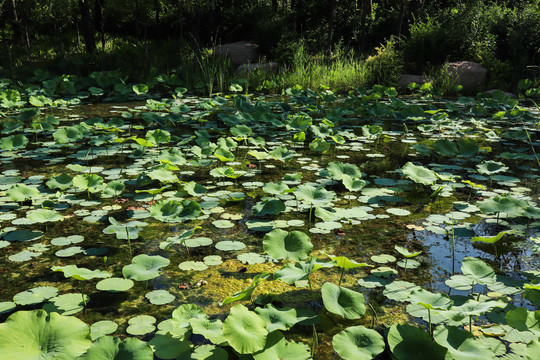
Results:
<point x="23" y="235"/>
<point x="102" y="328"/>
<point x="230" y="245"/>
<point x="35" y="296"/>
<point x="67" y="304"/>
<point x="193" y="265"/>
<point x="383" y="259"/>
<point x="144" y="267"/>
<point x="7" y="306"/>
<point x="160" y="297"/>
<point x="251" y="258"/>
<point x="115" y="284"/>
<point x="212" y="260"/>
<point x="223" y="224"/>
<point x="141" y="325"/>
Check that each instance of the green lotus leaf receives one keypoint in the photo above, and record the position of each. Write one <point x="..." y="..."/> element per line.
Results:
<point x="419" y="174"/>
<point x="23" y="235"/>
<point x="163" y="174"/>
<point x="90" y="182"/>
<point x="461" y="344"/>
<point x="268" y="207"/>
<point x="319" y="145"/>
<point x="141" y="325"/>
<point x="403" y="251"/>
<point x="112" y="348"/>
<point x="129" y="230"/>
<point x="39" y="335"/>
<point x="169" y="346"/>
<point x="7" y="306"/>
<point x="523" y="319"/>
<point x="275" y="188"/>
<point x="183" y="314"/>
<point x="399" y="290"/>
<point x="21" y="192"/>
<point x="352" y="183"/>
<point x="194" y="189"/>
<point x="225" y="171"/>
<point x="44" y="215"/>
<point x="532" y="350"/>
<point x="158" y="136"/>
<point x="315" y="196"/>
<point x="66" y="304"/>
<point x="67" y="240"/>
<point x="294" y="245"/>
<point x="478" y="271"/>
<point x="490" y="167"/>
<point x="245" y="330"/>
<point x="372" y="131"/>
<point x="175" y="211"/>
<point x="383" y="259"/>
<point x="358" y="343"/>
<point x="344" y="262"/>
<point x="445" y="147"/>
<point x="144" y="267"/>
<point x="384" y="272"/>
<point x="70" y="251"/>
<point x="192" y="265"/>
<point x="140" y="89"/>
<point x="411" y="343"/>
<point x="23" y="256"/>
<point x="281" y="153"/>
<point x="115" y="284"/>
<point x="336" y="170"/>
<point x="503" y="204"/>
<point x="230" y="245"/>
<point x="224" y="155"/>
<point x="532" y="293"/>
<point x="489" y="239"/>
<point x="210" y="329"/>
<point x="371" y="282"/>
<point x="251" y="258"/>
<point x="209" y="352"/>
<point x="460" y="282"/>
<point x="102" y="328"/>
<point x="342" y="301"/>
<point x="197" y="242"/>
<point x="78" y="273"/>
<point x="277" y="319"/>
<point x="277" y="347"/>
<point x="429" y="300"/>
<point x="35" y="296"/>
<point x="241" y="131"/>
<point x="13" y="142"/>
<point x="61" y="182"/>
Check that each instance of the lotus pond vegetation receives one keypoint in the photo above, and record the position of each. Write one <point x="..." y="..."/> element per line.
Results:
<point x="137" y="224"/>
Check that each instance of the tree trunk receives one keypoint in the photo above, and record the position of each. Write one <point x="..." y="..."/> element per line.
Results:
<point x="99" y="22"/>
<point x="88" y="31"/>
<point x="17" y="33"/>
<point x="331" y="17"/>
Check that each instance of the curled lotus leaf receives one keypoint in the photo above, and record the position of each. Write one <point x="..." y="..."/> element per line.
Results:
<point x="144" y="267"/>
<point x="40" y="335"/>
<point x="419" y="174"/>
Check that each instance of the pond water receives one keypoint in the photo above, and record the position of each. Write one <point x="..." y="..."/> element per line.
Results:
<point x="198" y="184"/>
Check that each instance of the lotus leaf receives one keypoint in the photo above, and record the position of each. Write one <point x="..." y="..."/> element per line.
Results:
<point x="409" y="342"/>
<point x="461" y="344"/>
<point x="23" y="235"/>
<point x="358" y="343"/>
<point x="141" y="325"/>
<point x="245" y="330"/>
<point x="44" y="215"/>
<point x="21" y="192"/>
<point x="112" y="348"/>
<point x="81" y="273"/>
<point x="419" y="174"/>
<point x="315" y="196"/>
<point x="35" y="296"/>
<point x="114" y="284"/>
<point x="294" y="245"/>
<point x="66" y="304"/>
<point x="169" y="346"/>
<point x="174" y="211"/>
<point x="399" y="290"/>
<point x="491" y="167"/>
<point x="102" y="328"/>
<point x="39" y="335"/>
<point x="446" y="147"/>
<point x="247" y="292"/>
<point x="90" y="182"/>
<point x="183" y="314"/>
<point x="478" y="270"/>
<point x="144" y="267"/>
<point x="429" y="300"/>
<point x="277" y="347"/>
<point x="269" y="207"/>
<point x="210" y="329"/>
<point x="230" y="245"/>
<point x="342" y="301"/>
<point x="277" y="319"/>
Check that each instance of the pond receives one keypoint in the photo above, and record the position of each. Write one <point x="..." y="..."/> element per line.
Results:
<point x="295" y="226"/>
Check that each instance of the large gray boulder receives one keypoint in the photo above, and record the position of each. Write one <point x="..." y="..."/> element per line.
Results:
<point x="469" y="74"/>
<point x="240" y="52"/>
<point x="264" y="67"/>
